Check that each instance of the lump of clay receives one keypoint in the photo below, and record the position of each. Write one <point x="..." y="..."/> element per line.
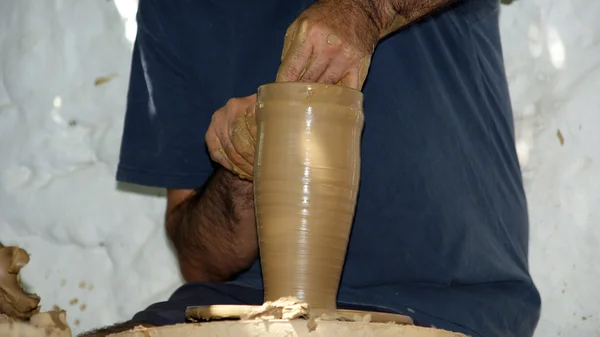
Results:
<point x="19" y="310"/>
<point x="15" y="303"/>
<point x="283" y="308"/>
<point x="45" y="324"/>
<point x="53" y="322"/>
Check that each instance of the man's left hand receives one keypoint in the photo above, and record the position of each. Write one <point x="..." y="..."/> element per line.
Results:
<point x="231" y="136"/>
<point x="332" y="42"/>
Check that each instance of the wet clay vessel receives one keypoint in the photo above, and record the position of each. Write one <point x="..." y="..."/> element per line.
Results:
<point x="306" y="176"/>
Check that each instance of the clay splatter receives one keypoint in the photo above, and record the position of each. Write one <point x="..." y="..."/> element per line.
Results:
<point x="560" y="137"/>
<point x="104" y="79"/>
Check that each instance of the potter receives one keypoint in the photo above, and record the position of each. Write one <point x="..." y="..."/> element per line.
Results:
<point x="440" y="231"/>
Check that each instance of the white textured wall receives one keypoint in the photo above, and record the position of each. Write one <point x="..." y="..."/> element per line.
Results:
<point x="103" y="247"/>
<point x="59" y="140"/>
<point x="552" y="50"/>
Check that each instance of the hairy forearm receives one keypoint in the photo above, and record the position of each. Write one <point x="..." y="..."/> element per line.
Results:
<point x="415" y="9"/>
<point x="213" y="230"/>
<point x="391" y="15"/>
<point x="120" y="327"/>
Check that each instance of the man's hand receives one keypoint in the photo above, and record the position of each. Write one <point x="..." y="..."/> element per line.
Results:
<point x="231" y="136"/>
<point x="332" y="42"/>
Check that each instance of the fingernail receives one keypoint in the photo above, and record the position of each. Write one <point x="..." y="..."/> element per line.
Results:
<point x="216" y="156"/>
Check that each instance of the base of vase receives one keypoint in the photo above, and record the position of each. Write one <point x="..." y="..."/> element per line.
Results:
<point x="245" y="312"/>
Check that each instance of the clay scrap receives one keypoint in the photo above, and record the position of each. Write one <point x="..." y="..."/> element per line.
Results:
<point x="283" y="308"/>
<point x="15" y="302"/>
<point x="20" y="314"/>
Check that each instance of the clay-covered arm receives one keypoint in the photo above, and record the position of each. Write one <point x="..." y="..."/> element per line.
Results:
<point x="213" y="229"/>
<point x="392" y="15"/>
<point x="332" y="40"/>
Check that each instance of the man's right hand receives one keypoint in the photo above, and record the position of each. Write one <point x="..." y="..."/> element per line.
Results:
<point x="231" y="136"/>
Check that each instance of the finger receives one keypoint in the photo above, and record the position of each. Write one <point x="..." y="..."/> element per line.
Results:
<point x="248" y="123"/>
<point x="350" y="80"/>
<point x="212" y="143"/>
<point x="356" y="76"/>
<point x="332" y="58"/>
<point x="251" y="121"/>
<point x="243" y="143"/>
<point x="316" y="67"/>
<point x="334" y="73"/>
<point x="363" y="70"/>
<point x="216" y="151"/>
<point x="234" y="160"/>
<point x="296" y="58"/>
<point x="240" y="166"/>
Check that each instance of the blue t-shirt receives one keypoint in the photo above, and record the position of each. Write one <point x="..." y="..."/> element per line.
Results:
<point x="441" y="226"/>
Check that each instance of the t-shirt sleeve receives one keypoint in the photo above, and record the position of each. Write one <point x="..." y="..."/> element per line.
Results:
<point x="166" y="117"/>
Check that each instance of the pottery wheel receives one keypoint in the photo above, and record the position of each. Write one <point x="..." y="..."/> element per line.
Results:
<point x="235" y="312"/>
<point x="283" y="328"/>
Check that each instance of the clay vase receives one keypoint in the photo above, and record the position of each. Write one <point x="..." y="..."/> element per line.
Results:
<point x="306" y="177"/>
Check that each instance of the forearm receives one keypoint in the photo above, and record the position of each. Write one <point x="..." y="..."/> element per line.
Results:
<point x="119" y="327"/>
<point x="213" y="230"/>
<point x="391" y="15"/>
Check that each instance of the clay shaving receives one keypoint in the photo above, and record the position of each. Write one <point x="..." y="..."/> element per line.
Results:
<point x="290" y="308"/>
<point x="345" y="318"/>
<point x="283" y="308"/>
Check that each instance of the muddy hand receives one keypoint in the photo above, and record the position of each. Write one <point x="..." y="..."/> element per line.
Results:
<point x="231" y="136"/>
<point x="332" y="42"/>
